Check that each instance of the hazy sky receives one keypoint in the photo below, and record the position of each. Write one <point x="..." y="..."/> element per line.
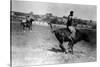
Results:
<point x="58" y="9"/>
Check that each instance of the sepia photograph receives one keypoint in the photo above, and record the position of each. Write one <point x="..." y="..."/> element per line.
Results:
<point x="48" y="33"/>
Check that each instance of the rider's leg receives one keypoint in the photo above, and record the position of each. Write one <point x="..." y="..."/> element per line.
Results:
<point x="68" y="28"/>
<point x="72" y="29"/>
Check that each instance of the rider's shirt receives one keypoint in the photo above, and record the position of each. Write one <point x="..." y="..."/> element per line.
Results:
<point x="69" y="22"/>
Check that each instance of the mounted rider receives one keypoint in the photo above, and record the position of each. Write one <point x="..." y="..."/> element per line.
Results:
<point x="69" y="25"/>
<point x="29" y="20"/>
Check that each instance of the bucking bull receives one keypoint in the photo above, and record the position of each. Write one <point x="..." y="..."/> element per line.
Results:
<point x="63" y="35"/>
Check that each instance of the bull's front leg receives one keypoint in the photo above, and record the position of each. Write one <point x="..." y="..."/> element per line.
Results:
<point x="62" y="47"/>
<point x="70" y="47"/>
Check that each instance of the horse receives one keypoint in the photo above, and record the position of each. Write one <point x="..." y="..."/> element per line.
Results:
<point x="27" y="24"/>
<point x="63" y="35"/>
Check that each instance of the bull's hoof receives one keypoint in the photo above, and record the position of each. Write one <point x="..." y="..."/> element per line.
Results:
<point x="71" y="52"/>
<point x="66" y="52"/>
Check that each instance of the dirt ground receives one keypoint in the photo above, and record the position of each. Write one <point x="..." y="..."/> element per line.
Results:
<point x="35" y="48"/>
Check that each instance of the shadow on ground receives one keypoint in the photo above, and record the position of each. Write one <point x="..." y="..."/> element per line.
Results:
<point x="55" y="50"/>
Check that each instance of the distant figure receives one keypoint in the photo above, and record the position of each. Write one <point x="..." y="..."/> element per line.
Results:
<point x="69" y="25"/>
<point x="29" y="22"/>
<point x="27" y="19"/>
